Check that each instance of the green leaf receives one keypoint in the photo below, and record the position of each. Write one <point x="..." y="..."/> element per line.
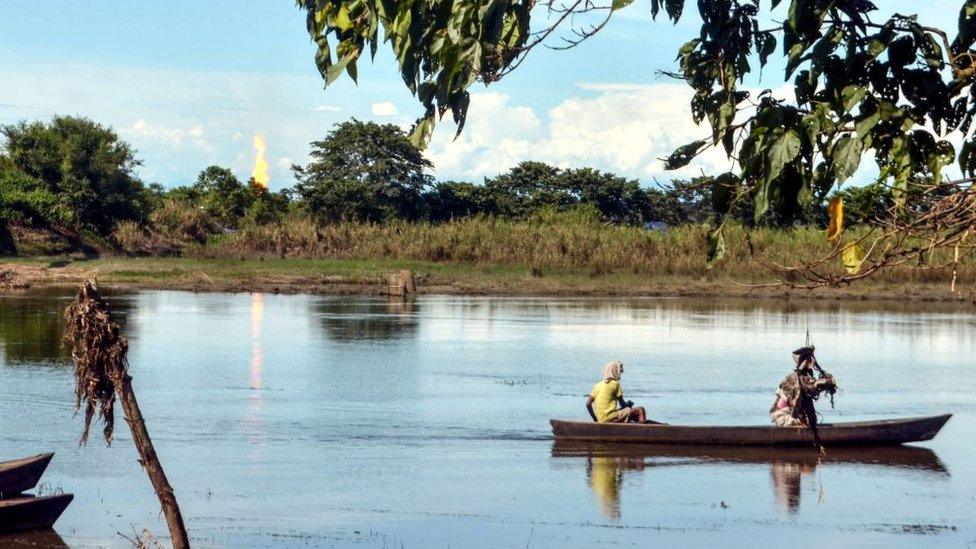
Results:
<point x="722" y="192"/>
<point x="619" y="4"/>
<point x="766" y="44"/>
<point x="811" y="128"/>
<point x="876" y="47"/>
<point x="423" y="128"/>
<point x="783" y="148"/>
<point x="674" y="9"/>
<point x="793" y="61"/>
<point x="899" y="190"/>
<point x="720" y="120"/>
<point x="847" y="156"/>
<point x="866" y="123"/>
<point x="761" y="199"/>
<point x="942" y="155"/>
<point x="967" y="158"/>
<point x="852" y="95"/>
<point x="716" y="245"/>
<point x="335" y="70"/>
<point x="341" y="19"/>
<point x="683" y="155"/>
<point x="967" y="27"/>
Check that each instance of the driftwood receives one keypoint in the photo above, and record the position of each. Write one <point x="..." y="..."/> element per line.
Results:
<point x="102" y="373"/>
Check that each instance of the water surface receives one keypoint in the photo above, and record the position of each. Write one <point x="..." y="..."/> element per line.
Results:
<point x="363" y="422"/>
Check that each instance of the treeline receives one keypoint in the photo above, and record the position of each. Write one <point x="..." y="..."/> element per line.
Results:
<point x="76" y="178"/>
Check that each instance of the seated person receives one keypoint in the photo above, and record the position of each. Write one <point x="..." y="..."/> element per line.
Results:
<point x="607" y="395"/>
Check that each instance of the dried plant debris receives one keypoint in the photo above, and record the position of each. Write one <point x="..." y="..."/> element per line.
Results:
<point x="99" y="354"/>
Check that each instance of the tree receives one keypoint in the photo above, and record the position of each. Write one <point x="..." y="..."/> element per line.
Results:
<point x="526" y="188"/>
<point x="70" y="172"/>
<point x="222" y="195"/>
<point x="266" y="206"/>
<point x="532" y="186"/>
<point x="619" y="200"/>
<point x="865" y="203"/>
<point x="893" y="89"/>
<point x="363" y="171"/>
<point x="449" y="200"/>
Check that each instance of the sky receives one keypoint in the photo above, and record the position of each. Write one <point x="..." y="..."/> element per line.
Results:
<point x="189" y="83"/>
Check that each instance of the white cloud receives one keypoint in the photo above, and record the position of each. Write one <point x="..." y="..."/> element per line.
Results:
<point x="174" y="137"/>
<point x="285" y="163"/>
<point x="326" y="108"/>
<point x="180" y="121"/>
<point x="614" y="86"/>
<point x="384" y="108"/>
<point x="496" y="136"/>
<point x="142" y="128"/>
<point x="625" y="128"/>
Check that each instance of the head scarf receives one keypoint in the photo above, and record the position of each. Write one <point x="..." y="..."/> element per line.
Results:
<point x="612" y="370"/>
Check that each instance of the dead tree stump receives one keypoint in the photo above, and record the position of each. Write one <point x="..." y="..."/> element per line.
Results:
<point x="401" y="283"/>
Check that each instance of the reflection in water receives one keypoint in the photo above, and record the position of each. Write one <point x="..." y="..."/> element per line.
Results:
<point x="257" y="433"/>
<point x="257" y="315"/>
<point x="31" y="326"/>
<point x="788" y="481"/>
<point x="607" y="462"/>
<point x="42" y="538"/>
<point x="606" y="477"/>
<point x="358" y="318"/>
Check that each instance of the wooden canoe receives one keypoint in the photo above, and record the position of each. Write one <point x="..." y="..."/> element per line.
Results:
<point x="20" y="475"/>
<point x="855" y="433"/>
<point x="26" y="513"/>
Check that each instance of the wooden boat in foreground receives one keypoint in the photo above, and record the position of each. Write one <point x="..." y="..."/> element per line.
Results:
<point x="25" y="513"/>
<point x="20" y="475"/>
<point x="863" y="433"/>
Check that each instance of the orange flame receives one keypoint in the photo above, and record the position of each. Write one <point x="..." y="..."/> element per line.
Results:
<point x="260" y="172"/>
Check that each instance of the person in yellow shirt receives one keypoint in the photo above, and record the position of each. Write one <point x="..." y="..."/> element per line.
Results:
<point x="606" y="402"/>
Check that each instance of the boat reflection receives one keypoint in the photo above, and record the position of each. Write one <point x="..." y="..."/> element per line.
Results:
<point x="608" y="463"/>
<point x="42" y="538"/>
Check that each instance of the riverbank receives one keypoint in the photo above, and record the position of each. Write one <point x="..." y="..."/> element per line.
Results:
<point x="350" y="276"/>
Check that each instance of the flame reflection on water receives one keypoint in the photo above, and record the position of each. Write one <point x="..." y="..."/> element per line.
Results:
<point x="257" y="315"/>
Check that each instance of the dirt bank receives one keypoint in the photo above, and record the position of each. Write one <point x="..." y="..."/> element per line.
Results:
<point x="369" y="277"/>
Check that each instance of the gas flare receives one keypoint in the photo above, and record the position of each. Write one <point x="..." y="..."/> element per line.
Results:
<point x="260" y="172"/>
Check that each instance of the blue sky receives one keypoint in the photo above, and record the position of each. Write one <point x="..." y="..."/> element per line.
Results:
<point x="189" y="83"/>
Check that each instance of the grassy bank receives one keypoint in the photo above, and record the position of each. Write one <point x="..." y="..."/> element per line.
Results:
<point x="486" y="256"/>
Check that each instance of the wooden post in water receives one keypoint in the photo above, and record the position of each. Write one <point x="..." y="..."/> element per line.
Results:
<point x="401" y="283"/>
<point x="101" y="373"/>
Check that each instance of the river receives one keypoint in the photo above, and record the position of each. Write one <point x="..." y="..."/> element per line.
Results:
<point x="296" y="420"/>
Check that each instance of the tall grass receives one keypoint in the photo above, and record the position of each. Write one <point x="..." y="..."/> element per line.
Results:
<point x="556" y="244"/>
